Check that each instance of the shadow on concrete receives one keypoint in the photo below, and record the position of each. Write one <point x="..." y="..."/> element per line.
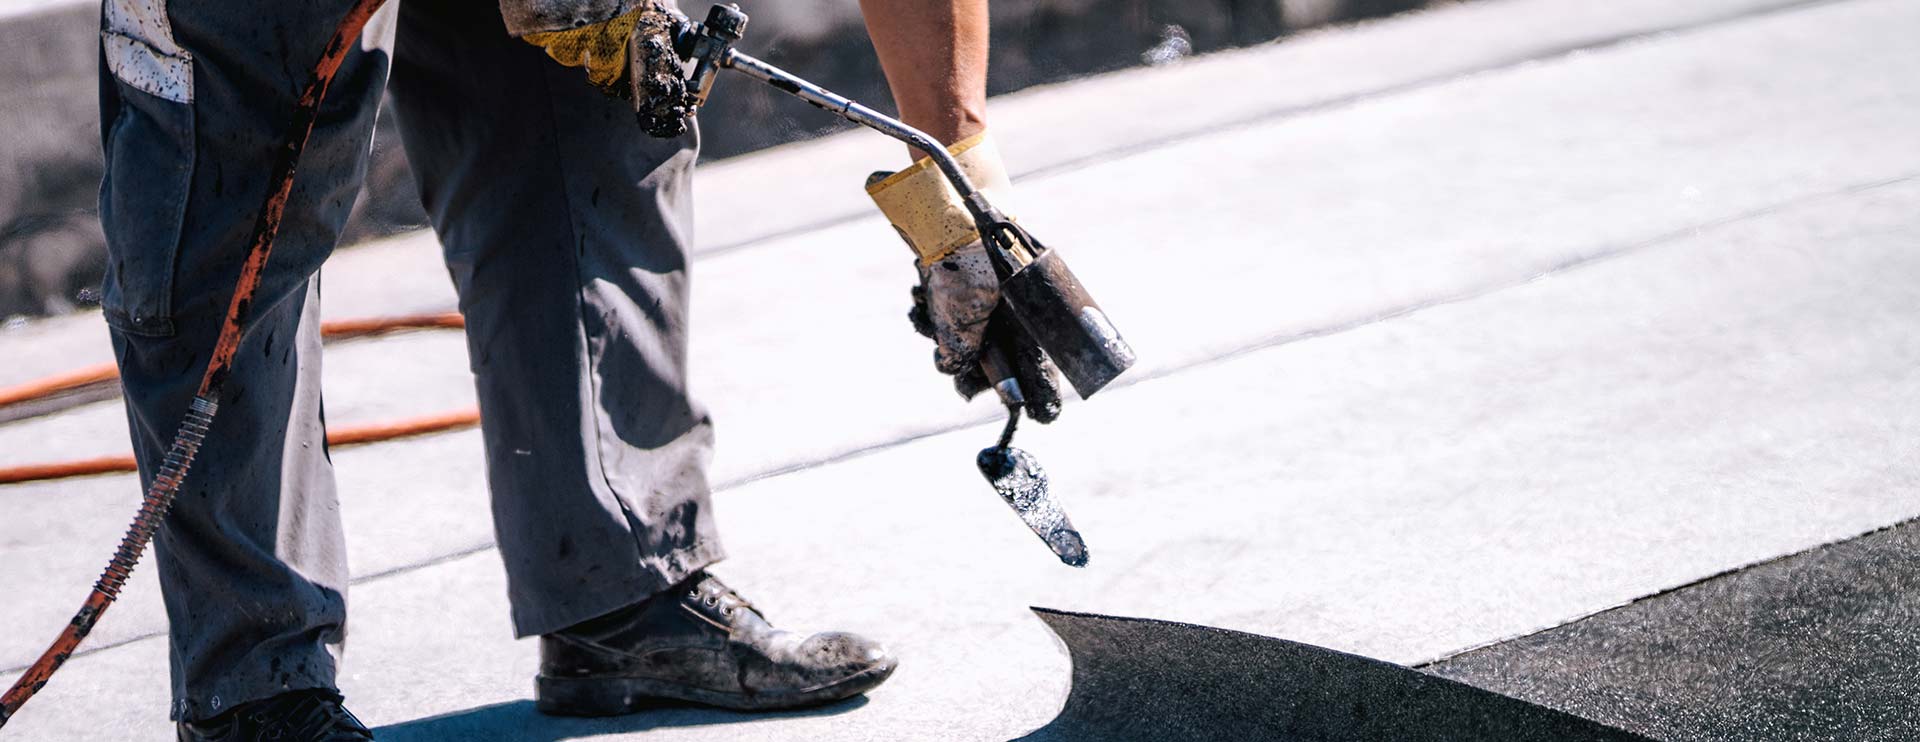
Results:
<point x="517" y="721"/>
<point x="1138" y="679"/>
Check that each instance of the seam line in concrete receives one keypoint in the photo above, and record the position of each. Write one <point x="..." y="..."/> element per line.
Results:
<point x="1543" y="54"/>
<point x="1494" y="287"/>
<point x="1269" y="342"/>
<point x="1289" y="338"/>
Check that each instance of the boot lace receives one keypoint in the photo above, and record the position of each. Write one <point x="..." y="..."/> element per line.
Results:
<point x="717" y="596"/>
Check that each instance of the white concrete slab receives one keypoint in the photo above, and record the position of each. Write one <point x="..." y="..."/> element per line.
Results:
<point x="1043" y="129"/>
<point x="1075" y="124"/>
<point x="1664" y="143"/>
<point x="12" y="8"/>
<point x="1543" y="164"/>
<point x="1401" y="489"/>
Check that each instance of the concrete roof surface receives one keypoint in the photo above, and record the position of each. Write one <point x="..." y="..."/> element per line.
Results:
<point x="1454" y="326"/>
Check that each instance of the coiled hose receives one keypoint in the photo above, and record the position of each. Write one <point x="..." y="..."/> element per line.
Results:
<point x="199" y="418"/>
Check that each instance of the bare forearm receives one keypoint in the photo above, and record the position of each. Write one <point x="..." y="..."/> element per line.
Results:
<point x="934" y="53"/>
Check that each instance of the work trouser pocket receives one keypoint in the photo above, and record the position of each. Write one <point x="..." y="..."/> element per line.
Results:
<point x="149" y="172"/>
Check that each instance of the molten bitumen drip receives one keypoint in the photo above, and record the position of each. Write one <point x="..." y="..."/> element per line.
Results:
<point x="1016" y="475"/>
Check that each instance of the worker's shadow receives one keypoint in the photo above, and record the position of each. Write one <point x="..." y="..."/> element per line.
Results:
<point x="517" y="721"/>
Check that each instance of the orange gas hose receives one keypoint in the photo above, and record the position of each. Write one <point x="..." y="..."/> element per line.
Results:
<point x="333" y="330"/>
<point x="64" y="469"/>
<point x="341" y="329"/>
<point x="354" y="435"/>
<point x="345" y="435"/>
<point x="57" y="383"/>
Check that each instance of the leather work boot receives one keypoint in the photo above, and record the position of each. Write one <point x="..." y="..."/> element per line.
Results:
<point x="299" y="716"/>
<point x="699" y="643"/>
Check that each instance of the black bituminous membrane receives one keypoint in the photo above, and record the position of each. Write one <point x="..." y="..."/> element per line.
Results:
<point x="1016" y="475"/>
<point x="1821" y="645"/>
<point x="1145" y="680"/>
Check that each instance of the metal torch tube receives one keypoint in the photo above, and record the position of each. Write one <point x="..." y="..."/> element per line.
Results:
<point x="983" y="213"/>
<point x="851" y="110"/>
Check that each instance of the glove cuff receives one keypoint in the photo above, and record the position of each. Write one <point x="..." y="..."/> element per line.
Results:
<point x="527" y="17"/>
<point x="926" y="210"/>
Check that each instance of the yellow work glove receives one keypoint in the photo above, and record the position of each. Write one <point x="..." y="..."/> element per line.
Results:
<point x="625" y="47"/>
<point x="959" y="292"/>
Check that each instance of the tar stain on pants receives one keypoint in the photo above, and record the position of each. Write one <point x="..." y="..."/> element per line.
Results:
<point x="566" y="233"/>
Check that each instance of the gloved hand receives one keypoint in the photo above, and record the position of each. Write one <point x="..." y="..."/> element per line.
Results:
<point x="625" y="46"/>
<point x="955" y="303"/>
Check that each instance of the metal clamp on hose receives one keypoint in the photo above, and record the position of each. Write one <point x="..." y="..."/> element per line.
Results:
<point x="707" y="45"/>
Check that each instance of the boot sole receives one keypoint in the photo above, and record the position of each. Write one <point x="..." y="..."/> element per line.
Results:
<point x="618" y="696"/>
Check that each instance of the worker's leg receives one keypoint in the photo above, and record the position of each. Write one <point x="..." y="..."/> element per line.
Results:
<point x="195" y="101"/>
<point x="566" y="230"/>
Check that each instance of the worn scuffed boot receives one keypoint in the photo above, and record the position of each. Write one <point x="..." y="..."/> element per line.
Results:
<point x="299" y="716"/>
<point x="699" y="643"/>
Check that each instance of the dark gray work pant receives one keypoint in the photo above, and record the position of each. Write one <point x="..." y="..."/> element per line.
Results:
<point x="566" y="231"/>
